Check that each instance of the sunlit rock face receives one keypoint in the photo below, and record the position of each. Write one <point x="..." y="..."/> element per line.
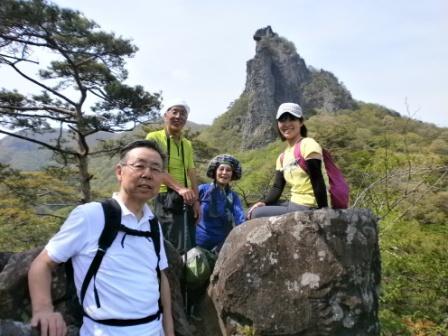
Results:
<point x="303" y="273"/>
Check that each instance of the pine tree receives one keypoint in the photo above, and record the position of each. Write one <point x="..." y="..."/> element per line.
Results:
<point x="82" y="86"/>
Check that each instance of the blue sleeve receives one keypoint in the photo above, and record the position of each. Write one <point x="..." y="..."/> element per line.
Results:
<point x="238" y="211"/>
<point x="202" y="189"/>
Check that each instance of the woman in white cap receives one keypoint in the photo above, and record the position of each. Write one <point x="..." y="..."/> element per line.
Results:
<point x="308" y="190"/>
<point x="220" y="206"/>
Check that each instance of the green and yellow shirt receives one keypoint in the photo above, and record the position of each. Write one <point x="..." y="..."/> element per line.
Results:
<point x="176" y="167"/>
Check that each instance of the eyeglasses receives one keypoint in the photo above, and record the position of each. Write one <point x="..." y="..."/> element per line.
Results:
<point x="141" y="167"/>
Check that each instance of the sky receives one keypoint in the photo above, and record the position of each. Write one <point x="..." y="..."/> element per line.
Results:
<point x="393" y="53"/>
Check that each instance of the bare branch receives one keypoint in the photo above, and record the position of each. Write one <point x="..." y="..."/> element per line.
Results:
<point x="19" y="59"/>
<point x="82" y="143"/>
<point x="400" y="173"/>
<point x="40" y="116"/>
<point x="441" y="178"/>
<point x="105" y="151"/>
<point x="48" y="108"/>
<point x="99" y="93"/>
<point x="50" y="215"/>
<point x="42" y="85"/>
<point x="25" y="41"/>
<point x="88" y="59"/>
<point x="61" y="50"/>
<point x="46" y="145"/>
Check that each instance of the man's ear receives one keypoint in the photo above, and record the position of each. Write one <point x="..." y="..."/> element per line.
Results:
<point x="118" y="172"/>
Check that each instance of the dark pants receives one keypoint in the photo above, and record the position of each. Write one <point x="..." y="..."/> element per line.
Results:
<point x="173" y="222"/>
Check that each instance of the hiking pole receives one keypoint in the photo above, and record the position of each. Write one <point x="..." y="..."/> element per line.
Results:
<point x="185" y="247"/>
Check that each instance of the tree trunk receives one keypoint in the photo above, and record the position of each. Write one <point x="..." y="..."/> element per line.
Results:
<point x="84" y="178"/>
<point x="83" y="165"/>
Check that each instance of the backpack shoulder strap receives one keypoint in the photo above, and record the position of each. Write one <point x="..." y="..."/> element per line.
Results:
<point x="281" y="157"/>
<point x="112" y="221"/>
<point x="155" y="235"/>
<point x="299" y="157"/>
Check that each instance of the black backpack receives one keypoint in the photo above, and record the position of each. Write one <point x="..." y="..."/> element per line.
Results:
<point x="112" y="225"/>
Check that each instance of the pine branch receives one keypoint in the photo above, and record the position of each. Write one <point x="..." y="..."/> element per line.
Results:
<point x="18" y="59"/>
<point x="76" y="75"/>
<point x="66" y="112"/>
<point x="44" y="144"/>
<point x="42" y="85"/>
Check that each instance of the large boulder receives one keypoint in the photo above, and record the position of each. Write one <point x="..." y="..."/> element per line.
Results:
<point x="303" y="273"/>
<point x="15" y="328"/>
<point x="4" y="257"/>
<point x="175" y="276"/>
<point x="15" y="302"/>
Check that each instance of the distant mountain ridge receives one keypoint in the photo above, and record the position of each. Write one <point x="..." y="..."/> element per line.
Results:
<point x="29" y="156"/>
<point x="26" y="155"/>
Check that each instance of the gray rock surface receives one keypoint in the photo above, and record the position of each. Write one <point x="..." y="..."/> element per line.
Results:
<point x="274" y="76"/>
<point x="303" y="273"/>
<point x="15" y="302"/>
<point x="15" y="328"/>
<point x="4" y="257"/>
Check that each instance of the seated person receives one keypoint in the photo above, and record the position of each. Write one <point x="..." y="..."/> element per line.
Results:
<point x="220" y="206"/>
<point x="308" y="190"/>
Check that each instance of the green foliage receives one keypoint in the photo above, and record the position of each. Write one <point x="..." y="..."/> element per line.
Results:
<point x="21" y="228"/>
<point x="29" y="204"/>
<point x="225" y="133"/>
<point x="415" y="278"/>
<point x="258" y="172"/>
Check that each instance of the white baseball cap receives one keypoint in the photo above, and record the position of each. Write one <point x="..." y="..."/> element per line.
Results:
<point x="176" y="102"/>
<point x="291" y="108"/>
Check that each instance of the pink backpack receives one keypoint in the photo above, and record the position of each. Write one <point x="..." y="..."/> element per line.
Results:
<point x="339" y="190"/>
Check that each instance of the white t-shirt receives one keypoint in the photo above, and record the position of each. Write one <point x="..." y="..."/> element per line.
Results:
<point x="126" y="281"/>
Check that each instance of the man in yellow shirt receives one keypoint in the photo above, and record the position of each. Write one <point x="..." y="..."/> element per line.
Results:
<point x="179" y="183"/>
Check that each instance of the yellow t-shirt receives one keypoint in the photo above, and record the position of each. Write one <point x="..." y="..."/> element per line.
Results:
<point x="176" y="167"/>
<point x="301" y="188"/>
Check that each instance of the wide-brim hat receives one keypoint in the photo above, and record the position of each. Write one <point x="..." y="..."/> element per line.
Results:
<point x="224" y="159"/>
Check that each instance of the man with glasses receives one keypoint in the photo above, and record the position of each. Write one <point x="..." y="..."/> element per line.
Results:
<point x="179" y="183"/>
<point x="130" y="287"/>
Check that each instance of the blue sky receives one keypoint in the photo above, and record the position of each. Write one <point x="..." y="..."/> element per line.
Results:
<point x="385" y="52"/>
